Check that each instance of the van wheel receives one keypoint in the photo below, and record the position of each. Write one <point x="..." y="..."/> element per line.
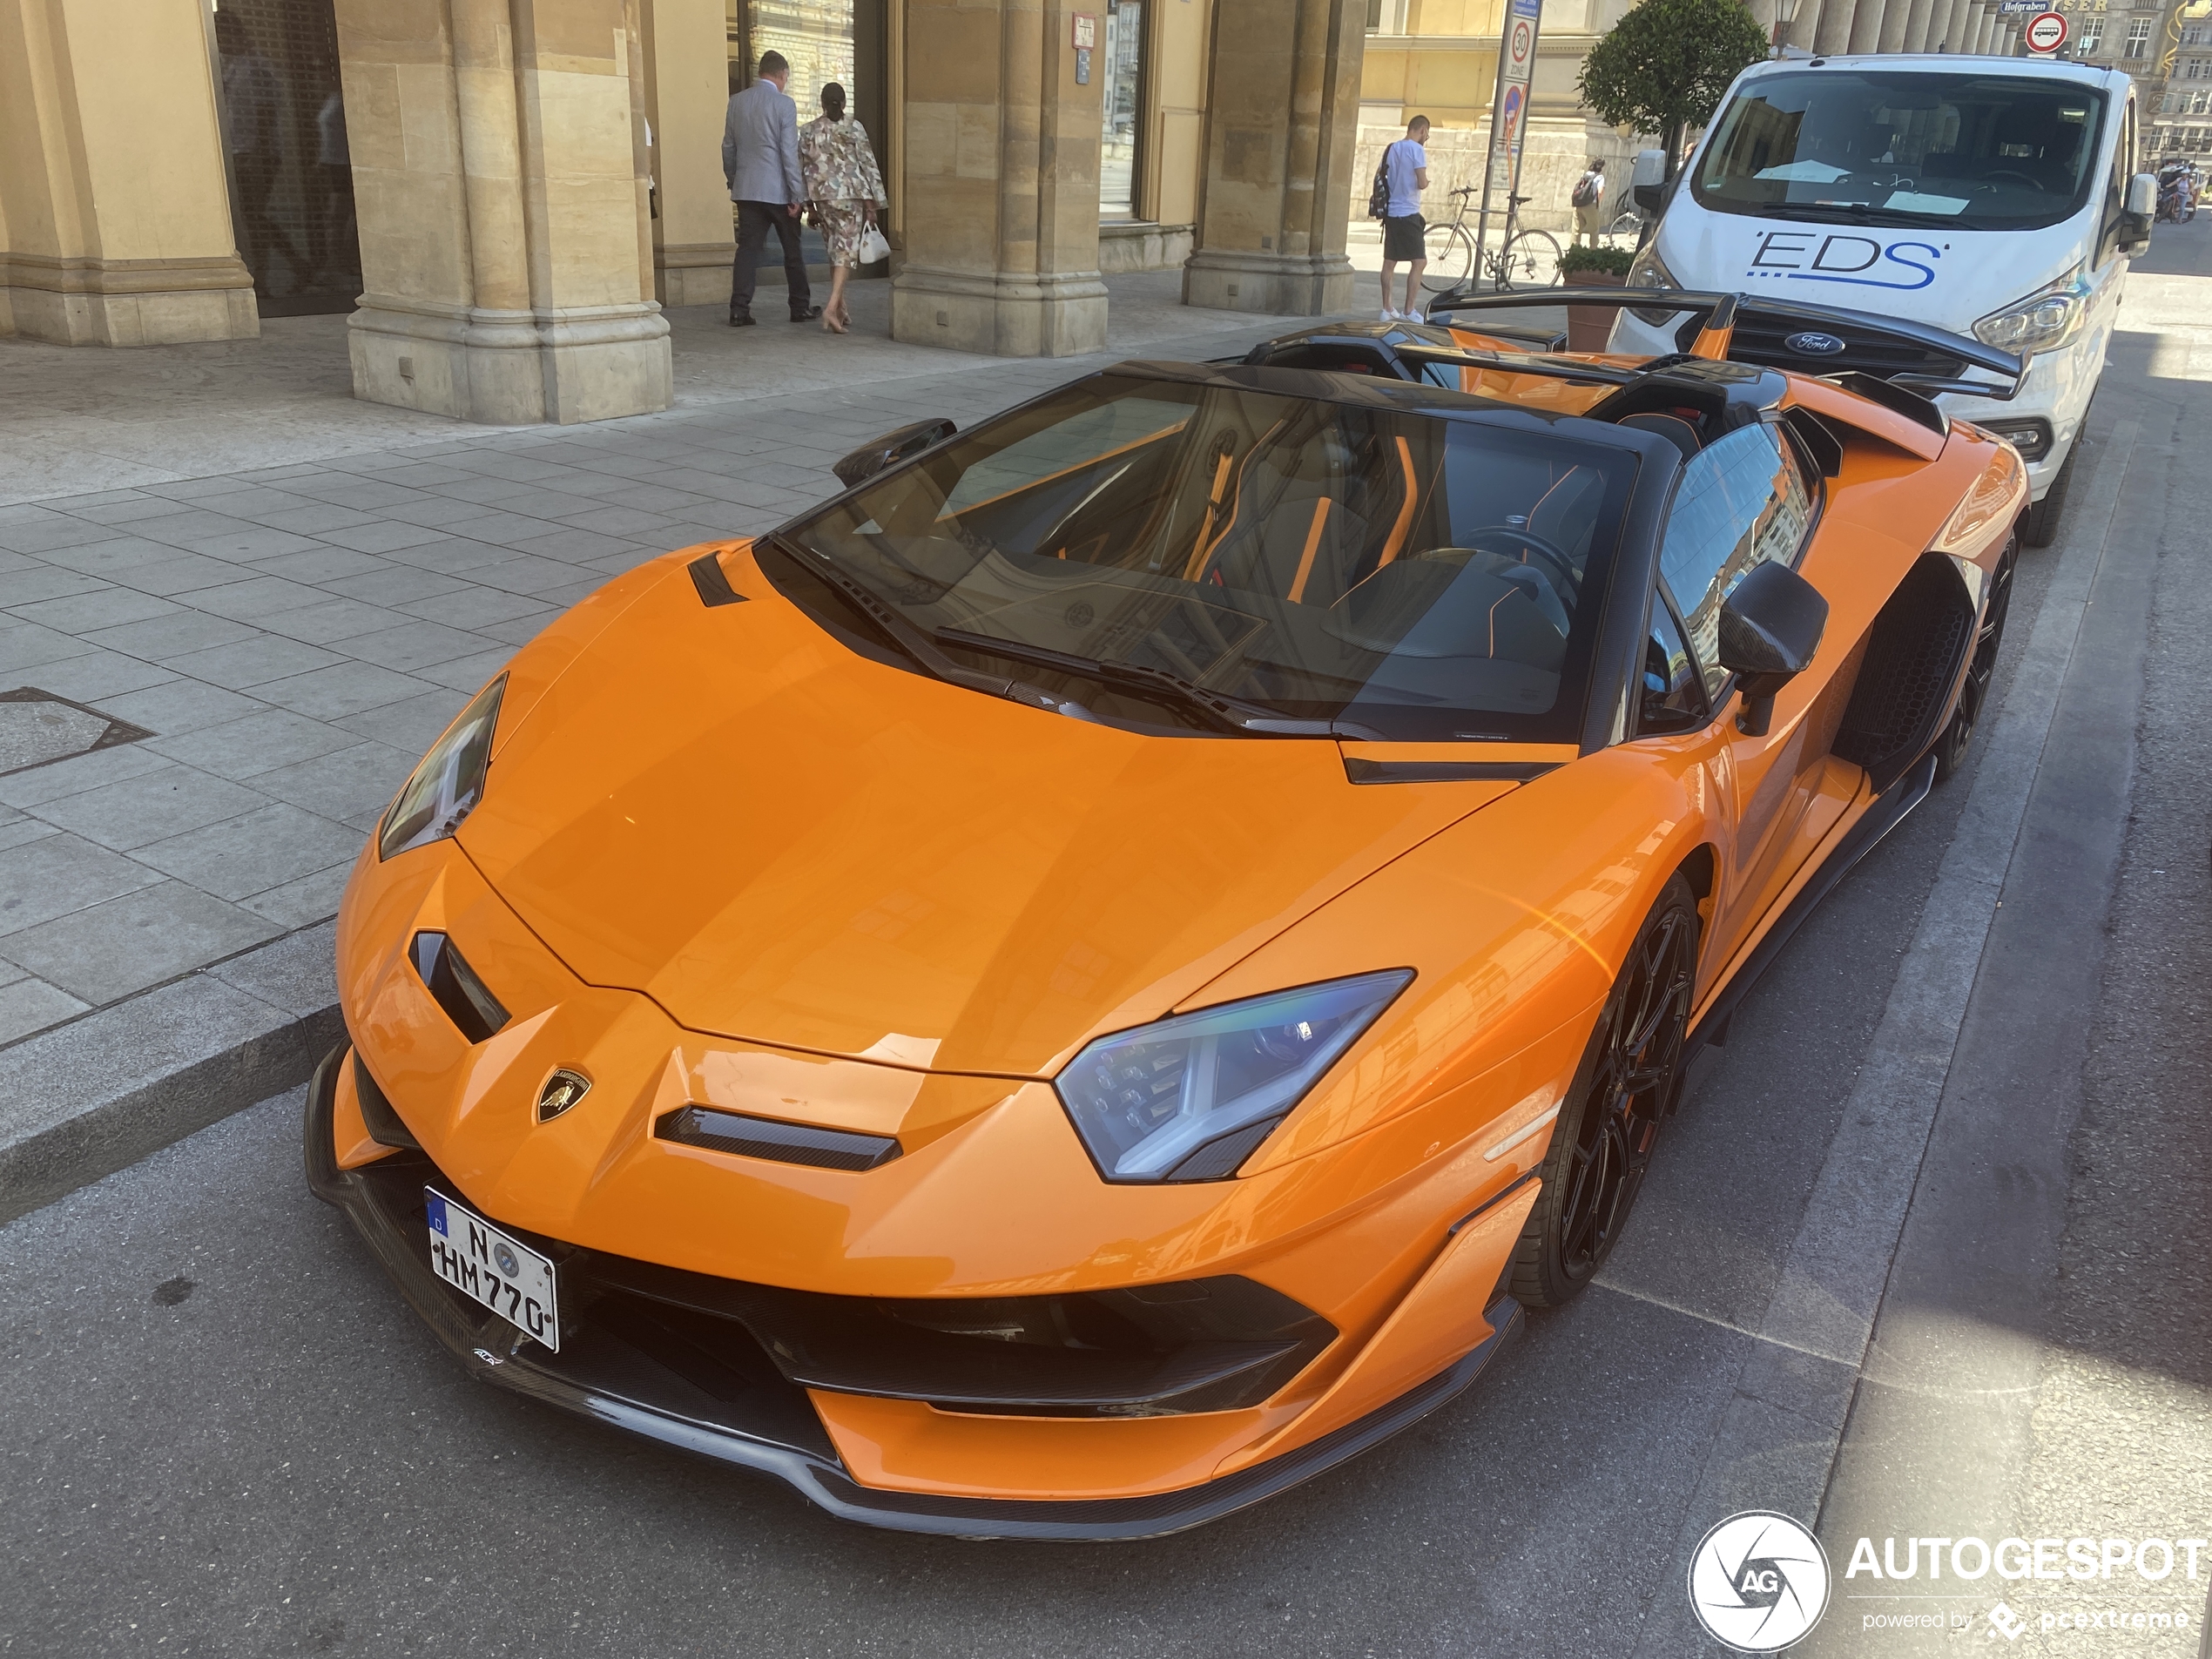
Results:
<point x="2039" y="524"/>
<point x="1600" y="1145"/>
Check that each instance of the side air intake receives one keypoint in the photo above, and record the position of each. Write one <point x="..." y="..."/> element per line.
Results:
<point x="1914" y="656"/>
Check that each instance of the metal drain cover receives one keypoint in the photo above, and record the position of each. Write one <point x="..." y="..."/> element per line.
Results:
<point x="38" y="728"/>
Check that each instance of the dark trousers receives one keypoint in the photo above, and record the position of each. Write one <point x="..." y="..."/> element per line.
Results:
<point x="755" y="219"/>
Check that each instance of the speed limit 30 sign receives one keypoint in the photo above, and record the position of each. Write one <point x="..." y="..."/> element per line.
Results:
<point x="2046" y="32"/>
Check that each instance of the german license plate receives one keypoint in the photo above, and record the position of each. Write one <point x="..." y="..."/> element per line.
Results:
<point x="504" y="1274"/>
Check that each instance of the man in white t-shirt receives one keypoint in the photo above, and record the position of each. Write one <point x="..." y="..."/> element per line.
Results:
<point x="1405" y="168"/>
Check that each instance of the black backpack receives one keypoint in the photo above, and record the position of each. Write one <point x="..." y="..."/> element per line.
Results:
<point x="1378" y="197"/>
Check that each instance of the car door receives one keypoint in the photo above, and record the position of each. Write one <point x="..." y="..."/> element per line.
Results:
<point x="1743" y="499"/>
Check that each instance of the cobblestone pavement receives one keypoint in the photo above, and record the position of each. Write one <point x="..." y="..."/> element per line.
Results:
<point x="294" y="637"/>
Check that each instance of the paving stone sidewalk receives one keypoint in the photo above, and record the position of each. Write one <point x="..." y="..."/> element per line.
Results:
<point x="294" y="638"/>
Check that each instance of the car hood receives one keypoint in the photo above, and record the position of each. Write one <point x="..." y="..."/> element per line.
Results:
<point x="781" y="840"/>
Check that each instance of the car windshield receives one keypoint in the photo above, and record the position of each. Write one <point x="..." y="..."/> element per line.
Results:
<point x="1972" y="151"/>
<point x="1392" y="574"/>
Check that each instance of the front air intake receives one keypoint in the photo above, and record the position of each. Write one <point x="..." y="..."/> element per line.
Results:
<point x="780" y="1143"/>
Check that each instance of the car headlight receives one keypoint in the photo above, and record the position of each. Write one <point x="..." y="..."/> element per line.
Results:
<point x="1188" y="1097"/>
<point x="448" y="783"/>
<point x="2047" y="320"/>
<point x="1648" y="270"/>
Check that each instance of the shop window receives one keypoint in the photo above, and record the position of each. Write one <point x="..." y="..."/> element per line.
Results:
<point x="291" y="172"/>
<point x="1121" y="107"/>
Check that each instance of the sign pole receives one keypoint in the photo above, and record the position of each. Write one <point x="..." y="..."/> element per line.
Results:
<point x="1508" y="115"/>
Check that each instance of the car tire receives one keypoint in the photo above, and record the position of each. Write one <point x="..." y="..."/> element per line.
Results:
<point x="2039" y="524"/>
<point x="1622" y="1091"/>
<point x="1957" y="736"/>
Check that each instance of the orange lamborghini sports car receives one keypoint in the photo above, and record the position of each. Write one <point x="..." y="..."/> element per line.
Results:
<point x="1095" y="975"/>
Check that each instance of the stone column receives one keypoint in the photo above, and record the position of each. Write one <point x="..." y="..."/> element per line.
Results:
<point x="115" y="218"/>
<point x="1282" y="121"/>
<point x="1923" y="16"/>
<point x="1867" y="21"/>
<point x="498" y="176"/>
<point x="1802" y="30"/>
<point x="1832" y="35"/>
<point x="1001" y="159"/>
<point x="687" y="90"/>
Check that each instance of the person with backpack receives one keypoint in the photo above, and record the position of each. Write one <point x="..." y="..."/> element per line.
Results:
<point x="1589" y="200"/>
<point x="1396" y="200"/>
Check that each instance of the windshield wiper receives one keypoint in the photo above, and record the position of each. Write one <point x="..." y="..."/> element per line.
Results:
<point x="1861" y="212"/>
<point x="918" y="642"/>
<point x="1220" y="710"/>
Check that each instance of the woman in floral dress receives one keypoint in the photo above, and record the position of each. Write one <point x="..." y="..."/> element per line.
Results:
<point x="844" y="187"/>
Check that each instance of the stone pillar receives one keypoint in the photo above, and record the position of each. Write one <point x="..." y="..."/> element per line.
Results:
<point x="687" y="90"/>
<point x="1867" y="20"/>
<point x="1802" y="30"/>
<point x="1923" y="16"/>
<point x="498" y="175"/>
<point x="115" y="219"/>
<point x="1282" y="121"/>
<point x="1001" y="162"/>
<point x="1832" y="35"/>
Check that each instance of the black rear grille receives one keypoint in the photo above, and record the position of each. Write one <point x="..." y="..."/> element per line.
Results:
<point x="1763" y="338"/>
<point x="1914" y="656"/>
<point x="770" y="1138"/>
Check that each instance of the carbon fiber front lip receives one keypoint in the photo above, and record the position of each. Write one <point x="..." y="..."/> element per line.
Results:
<point x="821" y="1480"/>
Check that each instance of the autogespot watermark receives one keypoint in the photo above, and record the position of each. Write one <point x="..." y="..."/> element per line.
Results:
<point x="1759" y="1581"/>
<point x="2155" y="1569"/>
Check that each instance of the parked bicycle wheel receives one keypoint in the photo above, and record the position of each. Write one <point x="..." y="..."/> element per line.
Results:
<point x="1451" y="257"/>
<point x="1531" y="261"/>
<point x="1624" y="232"/>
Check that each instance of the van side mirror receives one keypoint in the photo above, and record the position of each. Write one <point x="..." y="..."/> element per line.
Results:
<point x="892" y="448"/>
<point x="2141" y="207"/>
<point x="1770" y="626"/>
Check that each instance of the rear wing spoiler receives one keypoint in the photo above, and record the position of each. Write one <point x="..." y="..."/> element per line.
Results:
<point x="1725" y="313"/>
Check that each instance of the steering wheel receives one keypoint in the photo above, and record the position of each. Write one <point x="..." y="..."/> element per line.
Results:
<point x="1505" y="542"/>
<point x="2006" y="173"/>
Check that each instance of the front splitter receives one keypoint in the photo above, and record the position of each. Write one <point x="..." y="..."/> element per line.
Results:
<point x="642" y="1403"/>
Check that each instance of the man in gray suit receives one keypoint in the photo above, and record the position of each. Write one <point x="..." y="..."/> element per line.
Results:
<point x="760" y="161"/>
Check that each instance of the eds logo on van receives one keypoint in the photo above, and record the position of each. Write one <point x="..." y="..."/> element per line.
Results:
<point x="1842" y="256"/>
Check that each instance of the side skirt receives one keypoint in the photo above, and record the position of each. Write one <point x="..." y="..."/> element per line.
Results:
<point x="1888" y="811"/>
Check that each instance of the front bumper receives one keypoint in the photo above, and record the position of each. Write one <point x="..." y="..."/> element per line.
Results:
<point x="637" y="1374"/>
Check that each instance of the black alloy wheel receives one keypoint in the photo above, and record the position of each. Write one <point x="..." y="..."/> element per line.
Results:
<point x="1623" y="1091"/>
<point x="1974" y="696"/>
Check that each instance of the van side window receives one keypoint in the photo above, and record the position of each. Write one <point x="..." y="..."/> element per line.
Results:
<point x="1739" y="502"/>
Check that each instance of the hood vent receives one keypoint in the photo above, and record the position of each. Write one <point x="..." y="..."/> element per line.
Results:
<point x="780" y="1143"/>
<point x="465" y="999"/>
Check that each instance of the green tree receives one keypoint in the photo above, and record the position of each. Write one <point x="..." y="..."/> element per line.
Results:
<point x="1664" y="66"/>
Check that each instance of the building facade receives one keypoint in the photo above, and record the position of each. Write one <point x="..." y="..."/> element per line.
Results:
<point x="504" y="194"/>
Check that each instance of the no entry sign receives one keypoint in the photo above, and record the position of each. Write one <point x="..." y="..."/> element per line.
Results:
<point x="2046" y="32"/>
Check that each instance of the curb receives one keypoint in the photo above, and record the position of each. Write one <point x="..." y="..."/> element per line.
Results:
<point x="93" y="1096"/>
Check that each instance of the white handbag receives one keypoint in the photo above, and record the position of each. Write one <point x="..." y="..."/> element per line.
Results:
<point x="874" y="244"/>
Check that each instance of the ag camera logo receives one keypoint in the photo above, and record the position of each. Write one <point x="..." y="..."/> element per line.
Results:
<point x="1759" y="1581"/>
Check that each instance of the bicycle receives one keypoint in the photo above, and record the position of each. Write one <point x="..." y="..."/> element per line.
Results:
<point x="1526" y="260"/>
<point x="1626" y="224"/>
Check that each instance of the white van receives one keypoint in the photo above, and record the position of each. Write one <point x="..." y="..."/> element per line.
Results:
<point x="1991" y="196"/>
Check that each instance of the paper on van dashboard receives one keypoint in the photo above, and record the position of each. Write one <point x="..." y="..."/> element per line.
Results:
<point x="1913" y="201"/>
<point x="1808" y="173"/>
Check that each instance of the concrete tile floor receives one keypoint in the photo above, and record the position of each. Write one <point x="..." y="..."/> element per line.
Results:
<point x="294" y="636"/>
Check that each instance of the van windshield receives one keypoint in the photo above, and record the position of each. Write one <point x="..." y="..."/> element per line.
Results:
<point x="1989" y="153"/>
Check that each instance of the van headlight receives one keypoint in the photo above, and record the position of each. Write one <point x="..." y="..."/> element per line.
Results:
<point x="1648" y="270"/>
<point x="446" y="787"/>
<point x="2046" y="320"/>
<point x="1191" y="1097"/>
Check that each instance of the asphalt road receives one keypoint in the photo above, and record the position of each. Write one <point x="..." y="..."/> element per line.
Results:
<point x="1966" y="1109"/>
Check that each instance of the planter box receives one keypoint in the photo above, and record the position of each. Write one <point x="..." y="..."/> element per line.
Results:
<point x="1588" y="326"/>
